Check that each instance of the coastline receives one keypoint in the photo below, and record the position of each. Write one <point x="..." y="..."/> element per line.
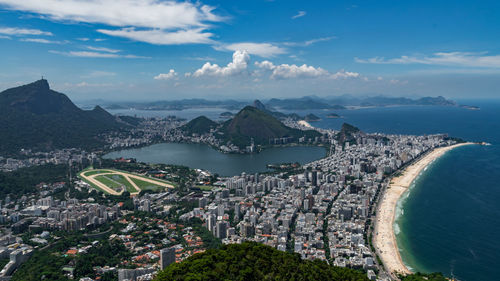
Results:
<point x="384" y="238"/>
<point x="305" y="124"/>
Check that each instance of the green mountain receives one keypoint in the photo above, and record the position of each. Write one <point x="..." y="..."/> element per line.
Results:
<point x="259" y="105"/>
<point x="35" y="117"/>
<point x="252" y="122"/>
<point x="199" y="125"/>
<point x="253" y="261"/>
<point x="347" y="133"/>
<point x="311" y="118"/>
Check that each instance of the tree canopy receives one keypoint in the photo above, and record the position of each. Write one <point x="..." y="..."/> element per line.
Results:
<point x="254" y="261"/>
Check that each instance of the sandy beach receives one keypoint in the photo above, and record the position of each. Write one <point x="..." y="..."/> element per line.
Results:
<point x="384" y="238"/>
<point x="305" y="124"/>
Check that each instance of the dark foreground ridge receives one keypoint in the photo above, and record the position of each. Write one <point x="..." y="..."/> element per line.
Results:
<point x="253" y="261"/>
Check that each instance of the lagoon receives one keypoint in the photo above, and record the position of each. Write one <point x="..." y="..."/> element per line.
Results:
<point x="204" y="157"/>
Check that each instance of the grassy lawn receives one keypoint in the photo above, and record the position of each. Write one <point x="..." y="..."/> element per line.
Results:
<point x="95" y="172"/>
<point x="115" y="181"/>
<point x="108" y="182"/>
<point x="143" y="185"/>
<point x="96" y="187"/>
<point x="122" y="180"/>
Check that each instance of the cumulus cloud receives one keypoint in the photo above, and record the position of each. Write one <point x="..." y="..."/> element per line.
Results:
<point x="166" y="76"/>
<point x="87" y="54"/>
<point x="462" y="59"/>
<point x="299" y="15"/>
<point x="239" y="65"/>
<point x="287" y="71"/>
<point x="260" y="49"/>
<point x="170" y="22"/>
<point x="22" y="31"/>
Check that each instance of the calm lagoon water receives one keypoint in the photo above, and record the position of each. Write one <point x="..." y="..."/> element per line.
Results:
<point x="204" y="157"/>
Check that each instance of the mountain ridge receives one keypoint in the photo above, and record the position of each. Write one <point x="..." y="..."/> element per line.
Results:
<point x="37" y="117"/>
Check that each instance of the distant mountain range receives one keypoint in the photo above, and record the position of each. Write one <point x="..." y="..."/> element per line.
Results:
<point x="343" y="102"/>
<point x="304" y="103"/>
<point x="35" y="117"/>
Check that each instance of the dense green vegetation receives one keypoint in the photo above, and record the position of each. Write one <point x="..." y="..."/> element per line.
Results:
<point x="47" y="263"/>
<point x="35" y="117"/>
<point x="199" y="125"/>
<point x="424" y="277"/>
<point x="254" y="123"/>
<point x="253" y="261"/>
<point x="23" y="181"/>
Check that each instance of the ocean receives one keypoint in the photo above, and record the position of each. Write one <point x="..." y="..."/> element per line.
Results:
<point x="449" y="221"/>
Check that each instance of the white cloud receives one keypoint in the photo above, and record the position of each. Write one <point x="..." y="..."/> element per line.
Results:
<point x="41" y="40"/>
<point x="342" y="74"/>
<point x="139" y="13"/>
<point x="310" y="42"/>
<point x="462" y="59"/>
<point x="299" y="15"/>
<point x="239" y="65"/>
<point x="83" y="39"/>
<point x="162" y="37"/>
<point x="169" y="22"/>
<point x="23" y="31"/>
<point x="287" y="71"/>
<point x="87" y="54"/>
<point x="166" y="76"/>
<point x="102" y="49"/>
<point x="260" y="49"/>
<point x="4" y="37"/>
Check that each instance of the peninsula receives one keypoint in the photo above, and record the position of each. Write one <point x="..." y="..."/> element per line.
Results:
<point x="384" y="238"/>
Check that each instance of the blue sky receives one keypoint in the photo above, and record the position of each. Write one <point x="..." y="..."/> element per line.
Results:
<point x="156" y="50"/>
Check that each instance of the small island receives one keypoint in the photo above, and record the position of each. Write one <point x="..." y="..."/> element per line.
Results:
<point x="333" y="116"/>
<point x="226" y="114"/>
<point x="470" y="107"/>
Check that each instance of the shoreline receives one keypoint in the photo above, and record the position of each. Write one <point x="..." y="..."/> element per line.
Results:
<point x="384" y="238"/>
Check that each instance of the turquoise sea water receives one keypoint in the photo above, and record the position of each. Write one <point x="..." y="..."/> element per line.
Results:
<point x="450" y="220"/>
